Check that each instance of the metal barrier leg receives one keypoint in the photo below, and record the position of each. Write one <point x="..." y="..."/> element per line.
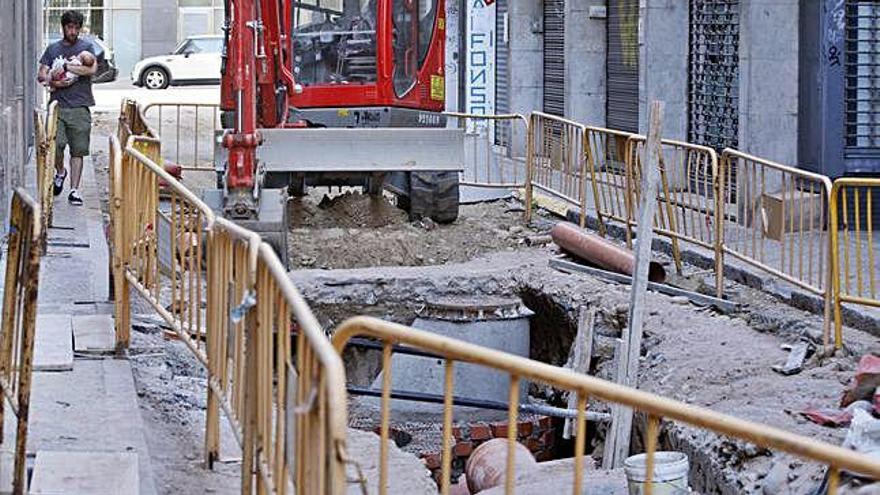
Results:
<point x="10" y="305"/>
<point x="123" y="308"/>
<point x="835" y="269"/>
<point x="530" y="170"/>
<point x="212" y="417"/>
<point x="249" y="422"/>
<point x="26" y="366"/>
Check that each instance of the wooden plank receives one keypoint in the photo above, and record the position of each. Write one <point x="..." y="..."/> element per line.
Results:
<point x="628" y="366"/>
<point x="583" y="354"/>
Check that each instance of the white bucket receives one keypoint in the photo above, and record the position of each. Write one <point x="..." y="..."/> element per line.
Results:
<point x="670" y="473"/>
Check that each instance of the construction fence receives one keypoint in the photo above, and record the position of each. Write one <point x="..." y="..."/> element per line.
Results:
<point x="280" y="380"/>
<point x="24" y="246"/>
<point x="45" y="129"/>
<point x="188" y="132"/>
<point x="241" y="334"/>
<point x="770" y="216"/>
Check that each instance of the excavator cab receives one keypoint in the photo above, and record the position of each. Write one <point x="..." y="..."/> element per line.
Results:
<point x="334" y="92"/>
<point x="335" y="46"/>
<point x="378" y="62"/>
<point x="360" y="73"/>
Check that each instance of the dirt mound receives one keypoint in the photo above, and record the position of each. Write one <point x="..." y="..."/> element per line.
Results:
<point x="349" y="210"/>
<point x="355" y="230"/>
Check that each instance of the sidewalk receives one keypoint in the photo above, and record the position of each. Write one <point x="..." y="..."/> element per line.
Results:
<point x="86" y="433"/>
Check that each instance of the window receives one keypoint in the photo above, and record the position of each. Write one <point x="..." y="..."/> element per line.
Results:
<point x="413" y="22"/>
<point x="862" y="63"/>
<point x="334" y="41"/>
<point x="197" y="17"/>
<point x="201" y="45"/>
<point x="116" y="22"/>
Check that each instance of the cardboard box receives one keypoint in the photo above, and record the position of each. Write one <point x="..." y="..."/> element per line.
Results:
<point x="775" y="205"/>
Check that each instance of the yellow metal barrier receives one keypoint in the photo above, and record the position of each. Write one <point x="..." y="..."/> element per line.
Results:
<point x="44" y="139"/>
<point x="495" y="147"/>
<point x="687" y="197"/>
<point x="195" y="121"/>
<point x="272" y="371"/>
<point x="556" y="160"/>
<point x="19" y="322"/>
<point x="607" y="158"/>
<point x="775" y="218"/>
<point x="269" y="389"/>
<point x="131" y="122"/>
<point x="854" y="276"/>
<point x="586" y="387"/>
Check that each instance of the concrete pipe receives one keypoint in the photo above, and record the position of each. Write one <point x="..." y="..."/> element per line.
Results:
<point x="600" y="252"/>
<point x="487" y="465"/>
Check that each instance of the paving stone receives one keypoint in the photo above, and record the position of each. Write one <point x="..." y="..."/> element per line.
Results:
<point x="93" y="333"/>
<point x="53" y="346"/>
<point x="94" y="408"/>
<point x="81" y="473"/>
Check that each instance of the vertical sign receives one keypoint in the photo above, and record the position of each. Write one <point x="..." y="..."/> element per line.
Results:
<point x="480" y="64"/>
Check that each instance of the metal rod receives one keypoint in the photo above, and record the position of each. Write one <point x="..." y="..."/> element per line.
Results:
<point x="556" y="412"/>
<point x="397" y="349"/>
<point x="722" y="304"/>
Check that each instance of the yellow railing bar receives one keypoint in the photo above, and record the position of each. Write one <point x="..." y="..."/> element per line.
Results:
<point x="759" y="434"/>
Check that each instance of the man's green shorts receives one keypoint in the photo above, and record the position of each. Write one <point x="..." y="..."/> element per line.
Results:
<point x="74" y="130"/>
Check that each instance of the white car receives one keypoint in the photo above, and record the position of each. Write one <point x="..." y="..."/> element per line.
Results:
<point x="195" y="61"/>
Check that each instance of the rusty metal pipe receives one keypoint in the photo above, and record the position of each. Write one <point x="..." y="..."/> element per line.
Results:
<point x="601" y="252"/>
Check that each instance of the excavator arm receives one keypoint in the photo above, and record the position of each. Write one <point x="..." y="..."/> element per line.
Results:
<point x="255" y="83"/>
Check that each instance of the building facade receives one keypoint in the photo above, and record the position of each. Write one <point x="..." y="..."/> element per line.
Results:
<point x="137" y="28"/>
<point x="795" y="81"/>
<point x="19" y="35"/>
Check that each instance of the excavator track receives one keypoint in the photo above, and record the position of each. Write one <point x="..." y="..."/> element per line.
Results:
<point x="433" y="195"/>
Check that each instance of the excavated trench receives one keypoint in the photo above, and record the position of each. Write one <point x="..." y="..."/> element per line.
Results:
<point x="718" y="465"/>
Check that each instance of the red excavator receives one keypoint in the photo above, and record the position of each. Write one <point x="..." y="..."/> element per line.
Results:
<point x="334" y="92"/>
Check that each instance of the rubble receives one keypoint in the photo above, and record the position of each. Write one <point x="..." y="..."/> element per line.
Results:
<point x="796" y="357"/>
<point x="865" y="383"/>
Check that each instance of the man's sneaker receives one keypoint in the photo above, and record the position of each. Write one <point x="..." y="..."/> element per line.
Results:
<point x="58" y="183"/>
<point x="74" y="198"/>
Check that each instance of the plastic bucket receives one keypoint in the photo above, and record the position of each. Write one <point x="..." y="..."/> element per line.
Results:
<point x="670" y="473"/>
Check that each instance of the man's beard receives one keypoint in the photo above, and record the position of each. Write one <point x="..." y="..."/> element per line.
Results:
<point x="71" y="38"/>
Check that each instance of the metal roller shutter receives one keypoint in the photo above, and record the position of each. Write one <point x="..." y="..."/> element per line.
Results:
<point x="622" y="68"/>
<point x="554" y="57"/>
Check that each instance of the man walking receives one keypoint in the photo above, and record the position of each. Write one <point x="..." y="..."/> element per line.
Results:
<point x="70" y="79"/>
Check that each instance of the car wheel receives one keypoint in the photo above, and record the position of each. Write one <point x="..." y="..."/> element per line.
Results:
<point x="155" y="78"/>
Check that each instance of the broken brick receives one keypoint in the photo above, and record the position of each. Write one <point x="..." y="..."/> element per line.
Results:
<point x="545" y="422"/>
<point x="499" y="430"/>
<point x="533" y="444"/>
<point x="432" y="461"/>
<point x="524" y="428"/>
<point x="548" y="439"/>
<point x="480" y="431"/>
<point x="463" y="449"/>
